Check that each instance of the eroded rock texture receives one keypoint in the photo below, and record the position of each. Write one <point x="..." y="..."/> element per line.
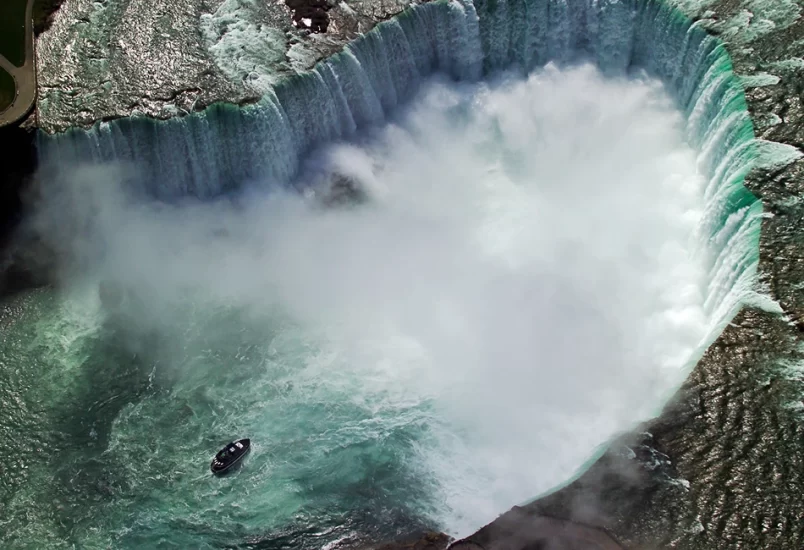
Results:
<point x="103" y="59"/>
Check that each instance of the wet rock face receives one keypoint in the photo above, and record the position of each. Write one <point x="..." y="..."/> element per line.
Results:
<point x="339" y="191"/>
<point x="113" y="58"/>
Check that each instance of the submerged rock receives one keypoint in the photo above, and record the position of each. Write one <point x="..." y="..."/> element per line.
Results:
<point x="341" y="191"/>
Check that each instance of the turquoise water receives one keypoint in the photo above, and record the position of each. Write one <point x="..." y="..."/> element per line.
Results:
<point x="117" y="439"/>
<point x="518" y="289"/>
<point x="400" y="365"/>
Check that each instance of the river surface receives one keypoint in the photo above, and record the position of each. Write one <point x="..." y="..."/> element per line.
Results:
<point x="526" y="279"/>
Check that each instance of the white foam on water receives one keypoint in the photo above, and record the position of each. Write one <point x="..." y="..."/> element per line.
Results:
<point x="523" y="284"/>
<point x="243" y="45"/>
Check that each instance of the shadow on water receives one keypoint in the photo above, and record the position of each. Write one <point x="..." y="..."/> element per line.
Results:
<point x="17" y="166"/>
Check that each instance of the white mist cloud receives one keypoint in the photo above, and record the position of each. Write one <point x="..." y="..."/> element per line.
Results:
<point x="523" y="266"/>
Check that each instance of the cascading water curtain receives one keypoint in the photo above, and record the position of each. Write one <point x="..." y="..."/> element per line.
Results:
<point x="225" y="147"/>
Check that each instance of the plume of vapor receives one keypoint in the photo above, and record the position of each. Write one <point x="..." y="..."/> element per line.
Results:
<point x="521" y="269"/>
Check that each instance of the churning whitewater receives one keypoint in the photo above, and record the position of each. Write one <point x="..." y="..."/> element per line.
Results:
<point x="526" y="278"/>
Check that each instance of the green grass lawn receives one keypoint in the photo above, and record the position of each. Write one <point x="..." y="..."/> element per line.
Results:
<point x="12" y="30"/>
<point x="7" y="90"/>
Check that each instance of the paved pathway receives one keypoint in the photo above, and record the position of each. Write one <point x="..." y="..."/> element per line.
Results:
<point x="24" y="77"/>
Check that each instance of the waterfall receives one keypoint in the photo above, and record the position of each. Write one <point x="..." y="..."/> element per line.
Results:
<point x="226" y="147"/>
